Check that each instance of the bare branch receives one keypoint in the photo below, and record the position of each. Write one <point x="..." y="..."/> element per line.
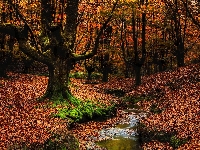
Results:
<point x="190" y="15"/>
<point x="96" y="44"/>
<point x="24" y="45"/>
<point x="24" y="20"/>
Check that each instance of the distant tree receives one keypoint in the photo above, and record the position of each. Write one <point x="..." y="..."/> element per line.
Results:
<point x="139" y="61"/>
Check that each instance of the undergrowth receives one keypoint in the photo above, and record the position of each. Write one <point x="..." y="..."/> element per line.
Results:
<point x="76" y="110"/>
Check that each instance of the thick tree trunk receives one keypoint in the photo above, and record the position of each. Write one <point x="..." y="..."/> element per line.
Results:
<point x="58" y="85"/>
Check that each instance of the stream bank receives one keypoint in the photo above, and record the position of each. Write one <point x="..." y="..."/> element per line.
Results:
<point x="115" y="133"/>
<point x="124" y="135"/>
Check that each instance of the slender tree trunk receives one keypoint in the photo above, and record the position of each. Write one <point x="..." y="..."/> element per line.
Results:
<point x="126" y="73"/>
<point x="180" y="55"/>
<point x="137" y="75"/>
<point x="105" y="74"/>
<point x="127" y="67"/>
<point x="105" y="67"/>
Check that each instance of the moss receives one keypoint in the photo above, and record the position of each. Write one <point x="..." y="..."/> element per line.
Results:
<point x="96" y="75"/>
<point x="79" y="111"/>
<point x="59" y="142"/>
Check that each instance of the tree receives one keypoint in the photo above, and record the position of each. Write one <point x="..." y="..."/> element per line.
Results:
<point x="55" y="45"/>
<point x="179" y="18"/>
<point x="190" y="14"/>
<point x="138" y="62"/>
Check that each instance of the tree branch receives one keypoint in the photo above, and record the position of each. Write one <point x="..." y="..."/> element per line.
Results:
<point x="190" y="14"/>
<point x="96" y="44"/>
<point x="24" y="45"/>
<point x="24" y="20"/>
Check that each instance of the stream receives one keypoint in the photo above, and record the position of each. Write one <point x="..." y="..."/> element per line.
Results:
<point x="123" y="136"/>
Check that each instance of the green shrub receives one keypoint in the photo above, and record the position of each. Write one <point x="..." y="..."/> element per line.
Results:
<point x="84" y="111"/>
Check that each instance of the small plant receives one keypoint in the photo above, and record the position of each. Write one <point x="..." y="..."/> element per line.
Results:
<point x="61" y="141"/>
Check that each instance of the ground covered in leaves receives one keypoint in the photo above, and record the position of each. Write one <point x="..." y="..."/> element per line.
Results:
<point x="172" y="99"/>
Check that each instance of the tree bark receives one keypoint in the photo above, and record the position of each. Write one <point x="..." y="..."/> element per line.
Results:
<point x="137" y="75"/>
<point x="105" y="75"/>
<point x="180" y="54"/>
<point x="58" y="83"/>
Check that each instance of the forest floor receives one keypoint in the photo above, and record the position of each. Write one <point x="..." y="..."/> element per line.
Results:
<point x="175" y="93"/>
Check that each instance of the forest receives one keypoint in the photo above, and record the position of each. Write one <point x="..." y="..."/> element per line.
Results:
<point x="99" y="74"/>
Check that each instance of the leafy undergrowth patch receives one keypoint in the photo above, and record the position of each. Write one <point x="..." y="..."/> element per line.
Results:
<point x="84" y="111"/>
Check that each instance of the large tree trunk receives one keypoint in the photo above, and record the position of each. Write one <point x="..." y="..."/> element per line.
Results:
<point x="58" y="85"/>
<point x="58" y="54"/>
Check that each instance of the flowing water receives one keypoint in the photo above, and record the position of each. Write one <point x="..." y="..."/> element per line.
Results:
<point x="123" y="136"/>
